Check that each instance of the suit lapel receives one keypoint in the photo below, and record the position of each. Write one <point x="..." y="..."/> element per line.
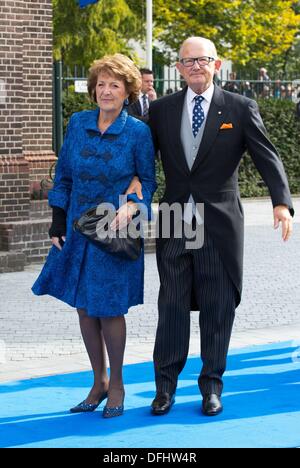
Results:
<point x="216" y="116"/>
<point x="138" y="107"/>
<point x="174" y="116"/>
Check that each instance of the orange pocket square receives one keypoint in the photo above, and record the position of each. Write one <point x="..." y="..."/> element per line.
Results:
<point x="225" y="126"/>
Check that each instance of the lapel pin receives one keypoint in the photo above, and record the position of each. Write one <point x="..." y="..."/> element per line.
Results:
<point x="219" y="112"/>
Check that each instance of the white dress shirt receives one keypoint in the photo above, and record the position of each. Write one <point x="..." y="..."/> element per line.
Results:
<point x="207" y="95"/>
<point x="190" y="209"/>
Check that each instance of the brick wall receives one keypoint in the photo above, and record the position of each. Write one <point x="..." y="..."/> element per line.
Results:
<point x="25" y="103"/>
<point x="14" y="175"/>
<point x="11" y="74"/>
<point x="14" y="189"/>
<point x="31" y="239"/>
<point x="40" y="209"/>
<point x="25" y="127"/>
<point x="11" y="261"/>
<point x="37" y="89"/>
<point x="37" y="77"/>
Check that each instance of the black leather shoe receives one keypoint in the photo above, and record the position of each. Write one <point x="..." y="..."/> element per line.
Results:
<point x="162" y="403"/>
<point x="211" y="404"/>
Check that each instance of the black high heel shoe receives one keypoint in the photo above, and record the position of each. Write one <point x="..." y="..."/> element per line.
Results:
<point x="84" y="407"/>
<point x="113" y="411"/>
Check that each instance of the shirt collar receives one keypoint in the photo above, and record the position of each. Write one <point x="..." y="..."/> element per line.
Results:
<point x="207" y="95"/>
<point x="91" y="122"/>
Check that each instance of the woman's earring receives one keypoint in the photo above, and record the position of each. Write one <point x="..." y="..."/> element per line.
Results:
<point x="126" y="102"/>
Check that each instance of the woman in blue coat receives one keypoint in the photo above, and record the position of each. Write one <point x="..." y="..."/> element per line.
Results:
<point x="103" y="150"/>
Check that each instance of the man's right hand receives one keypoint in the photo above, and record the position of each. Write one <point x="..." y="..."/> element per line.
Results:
<point x="152" y="94"/>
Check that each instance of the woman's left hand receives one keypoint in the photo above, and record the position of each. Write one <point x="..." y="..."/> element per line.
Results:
<point x="124" y="216"/>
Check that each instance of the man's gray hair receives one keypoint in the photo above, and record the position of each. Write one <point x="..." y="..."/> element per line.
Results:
<point x="207" y="42"/>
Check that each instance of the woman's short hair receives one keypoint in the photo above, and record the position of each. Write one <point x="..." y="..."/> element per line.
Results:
<point x="122" y="68"/>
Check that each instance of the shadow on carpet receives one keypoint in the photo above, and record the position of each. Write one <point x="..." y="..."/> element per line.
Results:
<point x="261" y="407"/>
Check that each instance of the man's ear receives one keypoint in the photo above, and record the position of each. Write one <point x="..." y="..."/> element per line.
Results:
<point x="178" y="66"/>
<point x="218" y="64"/>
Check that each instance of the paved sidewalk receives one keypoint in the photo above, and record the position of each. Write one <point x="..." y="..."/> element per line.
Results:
<point x="40" y="335"/>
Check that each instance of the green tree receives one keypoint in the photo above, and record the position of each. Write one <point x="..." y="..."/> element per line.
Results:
<point x="251" y="33"/>
<point x="243" y="30"/>
<point x="83" y="34"/>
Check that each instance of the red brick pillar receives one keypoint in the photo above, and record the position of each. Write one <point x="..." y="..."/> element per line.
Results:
<point x="37" y="88"/>
<point x="14" y="171"/>
<point x="25" y="113"/>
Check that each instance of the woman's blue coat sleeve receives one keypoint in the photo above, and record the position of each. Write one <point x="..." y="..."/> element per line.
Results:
<point x="145" y="170"/>
<point x="60" y="193"/>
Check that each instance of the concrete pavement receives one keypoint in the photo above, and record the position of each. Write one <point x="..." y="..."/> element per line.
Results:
<point x="40" y="335"/>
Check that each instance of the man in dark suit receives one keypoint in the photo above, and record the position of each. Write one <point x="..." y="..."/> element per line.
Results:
<point x="140" y="108"/>
<point x="202" y="133"/>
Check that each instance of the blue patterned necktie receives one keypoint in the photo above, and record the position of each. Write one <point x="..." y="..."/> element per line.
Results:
<point x="198" y="115"/>
<point x="145" y="106"/>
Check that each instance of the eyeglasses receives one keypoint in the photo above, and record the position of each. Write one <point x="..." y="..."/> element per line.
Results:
<point x="202" y="61"/>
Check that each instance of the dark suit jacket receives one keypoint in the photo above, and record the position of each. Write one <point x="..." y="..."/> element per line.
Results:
<point x="135" y="109"/>
<point x="213" y="178"/>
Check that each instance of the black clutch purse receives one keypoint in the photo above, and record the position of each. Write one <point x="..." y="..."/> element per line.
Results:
<point x="96" y="228"/>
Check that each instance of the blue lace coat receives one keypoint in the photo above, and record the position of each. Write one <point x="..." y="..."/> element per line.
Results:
<point x="92" y="168"/>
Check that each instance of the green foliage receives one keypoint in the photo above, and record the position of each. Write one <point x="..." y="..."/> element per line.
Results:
<point x="160" y="179"/>
<point x="283" y="128"/>
<point x="74" y="102"/>
<point x="243" y="31"/>
<point x="288" y="64"/>
<point x="82" y="35"/>
<point x="249" y="32"/>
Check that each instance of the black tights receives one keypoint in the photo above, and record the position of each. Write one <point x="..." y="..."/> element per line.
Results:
<point x="98" y="333"/>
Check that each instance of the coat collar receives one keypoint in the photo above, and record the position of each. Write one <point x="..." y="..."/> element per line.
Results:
<point x="90" y="122"/>
<point x="174" y="112"/>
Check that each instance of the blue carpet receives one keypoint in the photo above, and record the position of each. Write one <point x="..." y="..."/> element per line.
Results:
<point x="261" y="407"/>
